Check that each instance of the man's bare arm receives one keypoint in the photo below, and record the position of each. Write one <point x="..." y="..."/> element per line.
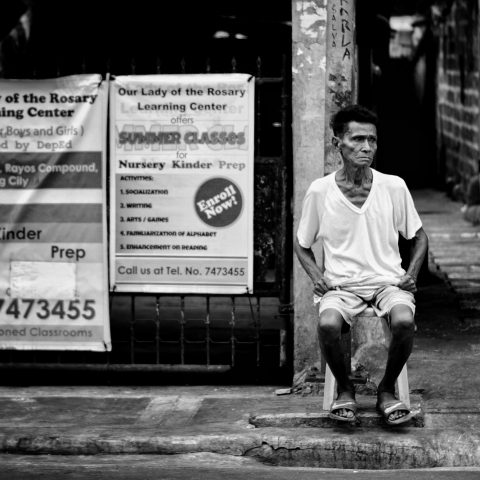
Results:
<point x="309" y="264"/>
<point x="417" y="255"/>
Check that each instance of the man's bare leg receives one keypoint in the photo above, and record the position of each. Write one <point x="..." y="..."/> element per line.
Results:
<point x="402" y="325"/>
<point x="329" y="336"/>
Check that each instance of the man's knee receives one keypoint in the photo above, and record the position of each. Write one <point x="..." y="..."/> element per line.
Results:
<point x="330" y="324"/>
<point x="402" y="320"/>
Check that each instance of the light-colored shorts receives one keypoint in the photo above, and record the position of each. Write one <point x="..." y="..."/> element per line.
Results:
<point x="352" y="301"/>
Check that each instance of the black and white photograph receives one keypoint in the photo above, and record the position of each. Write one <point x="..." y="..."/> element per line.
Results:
<point x="240" y="239"/>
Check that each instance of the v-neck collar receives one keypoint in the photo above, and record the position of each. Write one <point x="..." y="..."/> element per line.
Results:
<point x="347" y="202"/>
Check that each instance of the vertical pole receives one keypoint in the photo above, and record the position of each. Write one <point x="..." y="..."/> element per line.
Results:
<point x="257" y="322"/>
<point x="132" y="329"/>
<point x="232" y="333"/>
<point x="477" y="53"/>
<point x="341" y="69"/>
<point x="324" y="70"/>
<point x="207" y="331"/>
<point x="284" y="241"/>
<point x="308" y="111"/>
<point x="182" y="329"/>
<point x="157" y="329"/>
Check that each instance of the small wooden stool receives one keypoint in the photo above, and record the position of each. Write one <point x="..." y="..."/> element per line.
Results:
<point x="330" y="389"/>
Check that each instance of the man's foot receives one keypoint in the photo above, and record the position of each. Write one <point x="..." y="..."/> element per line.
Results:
<point x="344" y="408"/>
<point x="393" y="410"/>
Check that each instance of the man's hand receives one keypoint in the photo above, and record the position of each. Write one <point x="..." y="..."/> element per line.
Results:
<point x="307" y="259"/>
<point x="408" y="283"/>
<point x="320" y="286"/>
<point x="417" y="254"/>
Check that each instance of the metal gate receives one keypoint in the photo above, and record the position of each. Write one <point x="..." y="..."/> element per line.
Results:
<point x="246" y="335"/>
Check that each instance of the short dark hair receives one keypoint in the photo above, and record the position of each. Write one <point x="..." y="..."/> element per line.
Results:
<point x="351" y="113"/>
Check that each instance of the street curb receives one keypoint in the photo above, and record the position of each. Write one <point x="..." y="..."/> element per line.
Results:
<point x="338" y="449"/>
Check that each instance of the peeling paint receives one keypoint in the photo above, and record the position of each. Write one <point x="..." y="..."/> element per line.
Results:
<point x="299" y="51"/>
<point x="313" y="19"/>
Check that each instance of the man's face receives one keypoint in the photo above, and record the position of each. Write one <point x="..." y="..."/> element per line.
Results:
<point x="358" y="144"/>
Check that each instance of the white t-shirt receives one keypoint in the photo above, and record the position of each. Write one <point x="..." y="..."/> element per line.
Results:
<point x="360" y="244"/>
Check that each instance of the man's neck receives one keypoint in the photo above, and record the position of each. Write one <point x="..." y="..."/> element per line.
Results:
<point x="355" y="175"/>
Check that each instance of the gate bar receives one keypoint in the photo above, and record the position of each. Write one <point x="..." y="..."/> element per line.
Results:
<point x="118" y="367"/>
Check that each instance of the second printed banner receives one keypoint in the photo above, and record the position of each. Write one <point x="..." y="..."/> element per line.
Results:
<point x="182" y="183"/>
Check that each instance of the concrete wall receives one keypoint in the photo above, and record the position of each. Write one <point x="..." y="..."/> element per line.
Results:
<point x="308" y="104"/>
<point x="324" y="79"/>
<point x="458" y="100"/>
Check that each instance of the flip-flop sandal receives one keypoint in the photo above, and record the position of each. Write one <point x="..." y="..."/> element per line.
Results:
<point x="389" y="407"/>
<point x="346" y="405"/>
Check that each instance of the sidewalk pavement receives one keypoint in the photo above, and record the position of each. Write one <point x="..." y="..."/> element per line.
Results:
<point x="291" y="430"/>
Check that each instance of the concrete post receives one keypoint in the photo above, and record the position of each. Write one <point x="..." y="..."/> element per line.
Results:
<point x="478" y="73"/>
<point x="323" y="47"/>
<point x="308" y="103"/>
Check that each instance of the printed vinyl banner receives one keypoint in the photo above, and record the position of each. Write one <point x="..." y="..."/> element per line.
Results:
<point x="182" y="191"/>
<point x="53" y="248"/>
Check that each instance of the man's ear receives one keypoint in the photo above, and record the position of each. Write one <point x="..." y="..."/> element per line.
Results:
<point x="335" y="141"/>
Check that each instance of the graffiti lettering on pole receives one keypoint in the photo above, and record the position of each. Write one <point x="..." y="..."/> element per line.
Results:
<point x="341" y="28"/>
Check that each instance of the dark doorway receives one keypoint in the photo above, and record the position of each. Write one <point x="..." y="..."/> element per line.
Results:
<point x="397" y="80"/>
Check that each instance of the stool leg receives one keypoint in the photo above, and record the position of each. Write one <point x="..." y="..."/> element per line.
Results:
<point x="329" y="388"/>
<point x="403" y="388"/>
